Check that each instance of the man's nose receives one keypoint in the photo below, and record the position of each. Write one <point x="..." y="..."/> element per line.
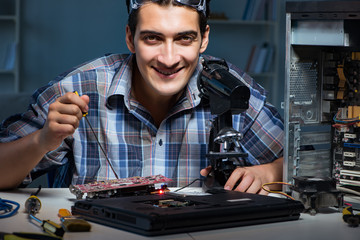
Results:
<point x="169" y="55"/>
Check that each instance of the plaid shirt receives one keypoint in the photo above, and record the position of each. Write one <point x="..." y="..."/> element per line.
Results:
<point x="125" y="129"/>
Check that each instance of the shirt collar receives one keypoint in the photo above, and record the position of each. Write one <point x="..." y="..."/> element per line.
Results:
<point x="192" y="92"/>
<point x="121" y="83"/>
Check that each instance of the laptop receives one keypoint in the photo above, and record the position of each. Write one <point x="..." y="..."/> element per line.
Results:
<point x="169" y="213"/>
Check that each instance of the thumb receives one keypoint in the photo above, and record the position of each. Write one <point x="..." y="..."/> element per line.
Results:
<point x="87" y="100"/>
<point x="204" y="172"/>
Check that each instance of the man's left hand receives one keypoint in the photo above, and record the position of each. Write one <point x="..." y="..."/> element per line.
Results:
<point x="250" y="179"/>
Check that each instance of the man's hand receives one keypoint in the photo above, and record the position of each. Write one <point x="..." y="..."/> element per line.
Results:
<point x="20" y="156"/>
<point x="62" y="120"/>
<point x="252" y="178"/>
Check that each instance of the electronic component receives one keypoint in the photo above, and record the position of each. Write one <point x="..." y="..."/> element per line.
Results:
<point x="346" y="127"/>
<point x="159" y="214"/>
<point x="168" y="203"/>
<point x="324" y="129"/>
<point x="316" y="193"/>
<point x="119" y="187"/>
<point x="322" y="100"/>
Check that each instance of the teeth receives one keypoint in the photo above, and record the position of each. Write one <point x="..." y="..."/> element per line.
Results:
<point x="167" y="73"/>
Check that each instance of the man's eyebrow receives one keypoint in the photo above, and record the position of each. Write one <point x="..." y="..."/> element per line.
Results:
<point x="194" y="33"/>
<point x="150" y="32"/>
<point x="190" y="32"/>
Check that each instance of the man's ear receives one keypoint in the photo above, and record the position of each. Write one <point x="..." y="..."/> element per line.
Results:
<point x="130" y="40"/>
<point x="205" y="39"/>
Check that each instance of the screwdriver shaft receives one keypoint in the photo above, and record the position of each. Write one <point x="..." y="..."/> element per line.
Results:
<point x="102" y="149"/>
<point x="98" y="142"/>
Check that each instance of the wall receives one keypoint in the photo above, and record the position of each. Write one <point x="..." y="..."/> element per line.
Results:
<point x="57" y="35"/>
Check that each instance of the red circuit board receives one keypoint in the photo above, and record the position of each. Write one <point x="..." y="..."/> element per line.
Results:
<point x="109" y="185"/>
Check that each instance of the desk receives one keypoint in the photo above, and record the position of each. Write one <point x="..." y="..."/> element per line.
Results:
<point x="325" y="225"/>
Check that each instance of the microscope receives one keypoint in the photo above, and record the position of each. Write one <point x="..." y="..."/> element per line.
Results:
<point x="226" y="95"/>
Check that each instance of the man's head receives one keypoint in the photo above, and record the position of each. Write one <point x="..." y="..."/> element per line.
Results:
<point x="166" y="41"/>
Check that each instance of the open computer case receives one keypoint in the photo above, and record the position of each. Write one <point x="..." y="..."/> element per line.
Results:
<point x="322" y="93"/>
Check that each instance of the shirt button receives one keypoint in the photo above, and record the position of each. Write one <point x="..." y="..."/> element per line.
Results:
<point x="160" y="142"/>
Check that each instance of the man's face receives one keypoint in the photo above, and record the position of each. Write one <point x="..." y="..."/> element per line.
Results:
<point x="167" y="44"/>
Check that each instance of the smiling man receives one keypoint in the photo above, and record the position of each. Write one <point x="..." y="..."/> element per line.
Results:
<point x="167" y="42"/>
<point x="145" y="110"/>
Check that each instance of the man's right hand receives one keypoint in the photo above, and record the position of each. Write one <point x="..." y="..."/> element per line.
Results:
<point x="19" y="157"/>
<point x="63" y="119"/>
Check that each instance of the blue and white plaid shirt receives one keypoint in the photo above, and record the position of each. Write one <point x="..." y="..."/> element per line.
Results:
<point x="125" y="129"/>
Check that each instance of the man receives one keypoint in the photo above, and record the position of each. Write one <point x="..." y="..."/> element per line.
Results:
<point x="145" y="110"/>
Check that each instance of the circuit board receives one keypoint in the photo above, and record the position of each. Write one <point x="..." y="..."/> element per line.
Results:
<point x="115" y="187"/>
<point x="324" y="115"/>
<point x="346" y="121"/>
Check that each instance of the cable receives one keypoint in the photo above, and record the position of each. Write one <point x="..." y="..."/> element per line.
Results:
<point x="344" y="121"/>
<point x="348" y="190"/>
<point x="279" y="192"/>
<point x="6" y="208"/>
<point x="198" y="179"/>
<point x="263" y="187"/>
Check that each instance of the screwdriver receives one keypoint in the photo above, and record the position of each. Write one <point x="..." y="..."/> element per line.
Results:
<point x="97" y="140"/>
<point x="71" y="223"/>
<point x="27" y="236"/>
<point x="350" y="218"/>
<point x="33" y="203"/>
<point x="32" y="206"/>
<point x="49" y="226"/>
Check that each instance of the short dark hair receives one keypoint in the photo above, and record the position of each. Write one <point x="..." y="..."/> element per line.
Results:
<point x="133" y="16"/>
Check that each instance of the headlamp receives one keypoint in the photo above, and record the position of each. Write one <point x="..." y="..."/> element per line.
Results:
<point x="199" y="5"/>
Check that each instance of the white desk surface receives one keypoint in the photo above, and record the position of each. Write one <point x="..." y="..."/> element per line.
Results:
<point x="325" y="225"/>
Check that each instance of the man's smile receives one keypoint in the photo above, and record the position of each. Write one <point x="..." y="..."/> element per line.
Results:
<point x="167" y="72"/>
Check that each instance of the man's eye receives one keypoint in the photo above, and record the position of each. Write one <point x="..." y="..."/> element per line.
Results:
<point x="186" y="39"/>
<point x="151" y="39"/>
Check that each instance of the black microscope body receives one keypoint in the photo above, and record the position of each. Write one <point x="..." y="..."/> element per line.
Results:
<point x="226" y="95"/>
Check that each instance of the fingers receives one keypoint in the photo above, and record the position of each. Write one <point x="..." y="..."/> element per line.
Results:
<point x="68" y="109"/>
<point x="63" y="122"/>
<point x="235" y="177"/>
<point x="63" y="118"/>
<point x="204" y="172"/>
<point x="263" y="192"/>
<point x="73" y="102"/>
<point x="249" y="185"/>
<point x="244" y="180"/>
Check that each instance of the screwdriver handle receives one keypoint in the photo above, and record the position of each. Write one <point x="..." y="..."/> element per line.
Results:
<point x="84" y="113"/>
<point x="53" y="228"/>
<point x="32" y="205"/>
<point x="49" y="226"/>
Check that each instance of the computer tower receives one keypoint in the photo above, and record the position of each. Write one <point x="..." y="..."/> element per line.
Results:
<point x="322" y="92"/>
